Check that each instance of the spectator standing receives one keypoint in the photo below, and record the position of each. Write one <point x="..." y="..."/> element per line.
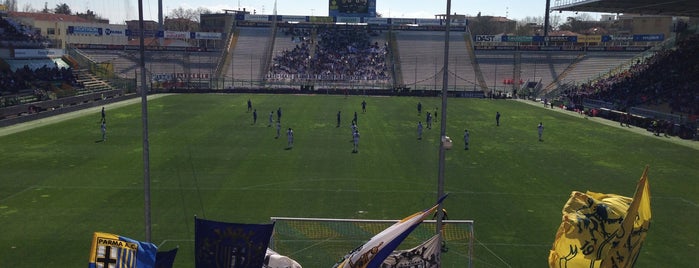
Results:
<point x="467" y="137"/>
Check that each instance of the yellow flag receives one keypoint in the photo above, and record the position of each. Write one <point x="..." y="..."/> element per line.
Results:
<point x="602" y="230"/>
<point x="626" y="247"/>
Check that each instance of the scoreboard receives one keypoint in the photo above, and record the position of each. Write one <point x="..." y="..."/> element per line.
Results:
<point x="352" y="8"/>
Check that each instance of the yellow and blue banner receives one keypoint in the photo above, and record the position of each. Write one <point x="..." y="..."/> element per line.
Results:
<point x="231" y="245"/>
<point x="373" y="253"/>
<point x="114" y="251"/>
<point x="602" y="230"/>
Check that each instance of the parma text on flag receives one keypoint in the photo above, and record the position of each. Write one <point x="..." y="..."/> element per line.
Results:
<point x="110" y="250"/>
<point x="602" y="230"/>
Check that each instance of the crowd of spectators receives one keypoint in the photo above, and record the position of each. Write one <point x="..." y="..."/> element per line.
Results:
<point x="40" y="82"/>
<point x="336" y="55"/>
<point x="13" y="34"/>
<point x="667" y="78"/>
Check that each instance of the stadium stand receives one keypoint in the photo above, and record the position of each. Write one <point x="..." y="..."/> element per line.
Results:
<point x="422" y="58"/>
<point x="248" y="53"/>
<point x="331" y="54"/>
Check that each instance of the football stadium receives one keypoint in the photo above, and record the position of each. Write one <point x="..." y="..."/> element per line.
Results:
<point x="351" y="139"/>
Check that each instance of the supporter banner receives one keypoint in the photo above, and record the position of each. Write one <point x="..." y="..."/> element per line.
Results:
<point x="589" y="39"/>
<point x="620" y="38"/>
<point x="349" y="19"/>
<point x="428" y="21"/>
<point x="294" y="18"/>
<point x="399" y="21"/>
<point x="379" y="21"/>
<point x="648" y="37"/>
<point x="564" y="48"/>
<point x="517" y="39"/>
<point x="114" y="32"/>
<point x="564" y="38"/>
<point x="551" y="48"/>
<point x="38" y="53"/>
<point x="488" y="38"/>
<point x="207" y="36"/>
<point x="245" y="23"/>
<point x="146" y="33"/>
<point x="529" y="48"/>
<point x="495" y="48"/>
<point x="254" y="17"/>
<point x="320" y="19"/>
<point x="84" y="30"/>
<point x="176" y="35"/>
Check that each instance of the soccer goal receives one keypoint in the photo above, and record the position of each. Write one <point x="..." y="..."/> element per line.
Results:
<point x="321" y="242"/>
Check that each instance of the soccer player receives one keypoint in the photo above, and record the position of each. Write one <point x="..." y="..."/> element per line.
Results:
<point x="355" y="140"/>
<point x="428" y="119"/>
<point x="279" y="128"/>
<point x="254" y="116"/>
<point x="338" y="118"/>
<point x="419" y="108"/>
<point x="103" y="127"/>
<point x="363" y="106"/>
<point x="466" y="139"/>
<point x="541" y="130"/>
<point x="419" y="130"/>
<point x="497" y="119"/>
<point x="290" y="138"/>
<point x="271" y="119"/>
<point x="104" y="116"/>
<point x="249" y="105"/>
<point x="355" y="118"/>
<point x="279" y="114"/>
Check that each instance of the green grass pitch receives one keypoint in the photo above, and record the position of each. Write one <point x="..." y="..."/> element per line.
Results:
<point x="58" y="185"/>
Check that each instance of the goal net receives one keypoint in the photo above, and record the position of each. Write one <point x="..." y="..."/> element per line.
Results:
<point x="321" y="242"/>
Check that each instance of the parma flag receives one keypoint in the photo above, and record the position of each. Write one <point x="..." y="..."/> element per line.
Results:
<point x="602" y="230"/>
<point x="425" y="255"/>
<point x="373" y="253"/>
<point x="230" y="245"/>
<point x="113" y="251"/>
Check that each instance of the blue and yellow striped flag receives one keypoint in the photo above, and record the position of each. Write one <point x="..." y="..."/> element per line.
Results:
<point x="602" y="230"/>
<point x="110" y="250"/>
<point x="373" y="253"/>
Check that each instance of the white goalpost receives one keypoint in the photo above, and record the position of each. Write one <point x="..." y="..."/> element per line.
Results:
<point x="321" y="242"/>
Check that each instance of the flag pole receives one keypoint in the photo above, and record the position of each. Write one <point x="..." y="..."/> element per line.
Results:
<point x="144" y="119"/>
<point x="443" y="123"/>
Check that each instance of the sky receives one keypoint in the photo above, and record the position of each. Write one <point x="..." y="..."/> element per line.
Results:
<point x="118" y="11"/>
